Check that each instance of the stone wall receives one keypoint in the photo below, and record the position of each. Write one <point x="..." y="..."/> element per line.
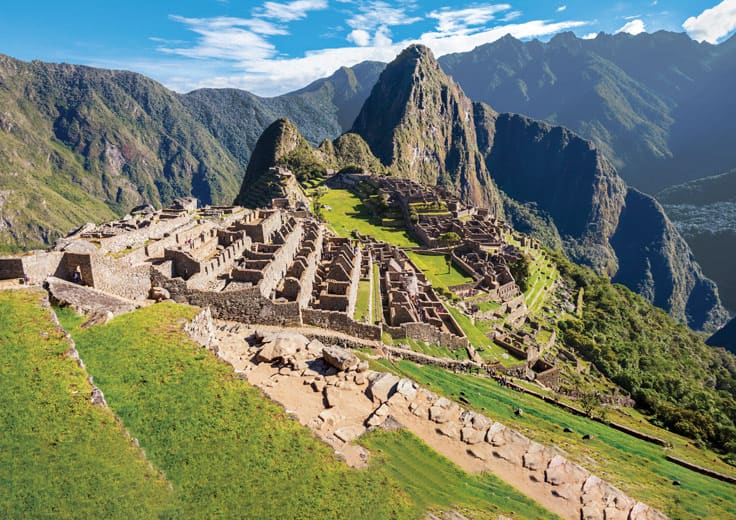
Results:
<point x="138" y="237"/>
<point x="341" y="322"/>
<point x="274" y="272"/>
<point x="246" y="306"/>
<point x="36" y="266"/>
<point x="423" y="359"/>
<point x="120" y="278"/>
<point x="202" y="329"/>
<point x="69" y="263"/>
<point x="11" y="268"/>
<point x="221" y="263"/>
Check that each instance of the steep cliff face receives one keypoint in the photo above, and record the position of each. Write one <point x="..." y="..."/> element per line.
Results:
<point x="656" y="262"/>
<point x="653" y="102"/>
<point x="419" y="123"/>
<point x="562" y="174"/>
<point x="616" y="230"/>
<point x="281" y="144"/>
<point x="279" y="140"/>
<point x="725" y="337"/>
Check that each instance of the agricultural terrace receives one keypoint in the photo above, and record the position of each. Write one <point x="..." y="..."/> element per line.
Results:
<point x="61" y="455"/>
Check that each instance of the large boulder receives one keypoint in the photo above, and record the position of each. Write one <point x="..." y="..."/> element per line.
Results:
<point x="281" y="345"/>
<point x="159" y="294"/>
<point x="382" y="387"/>
<point x="340" y="358"/>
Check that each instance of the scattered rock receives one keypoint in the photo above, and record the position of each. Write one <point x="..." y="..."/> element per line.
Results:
<point x="562" y="471"/>
<point x="331" y="394"/>
<point x="359" y="379"/>
<point x="449" y="429"/>
<point x="438" y="414"/>
<point x="567" y="430"/>
<point x="519" y="412"/>
<point x="330" y="417"/>
<point x="349" y="433"/>
<point x="362" y="366"/>
<point x="315" y="347"/>
<point x="480" y="451"/>
<point x="588" y="437"/>
<point x="391" y="424"/>
<point x="318" y="386"/>
<point x="537" y="457"/>
<point x="470" y="435"/>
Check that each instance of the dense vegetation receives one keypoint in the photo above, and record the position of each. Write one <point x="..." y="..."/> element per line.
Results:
<point x="687" y="386"/>
<point x="61" y="456"/>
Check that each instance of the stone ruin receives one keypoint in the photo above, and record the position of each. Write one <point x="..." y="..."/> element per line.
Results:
<point x="333" y="392"/>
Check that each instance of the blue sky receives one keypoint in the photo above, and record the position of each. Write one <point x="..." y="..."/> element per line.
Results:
<point x="271" y="47"/>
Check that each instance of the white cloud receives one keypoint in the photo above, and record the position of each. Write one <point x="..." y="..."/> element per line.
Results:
<point x="378" y="13"/>
<point x="359" y="37"/>
<point x="442" y="44"/>
<point x="230" y="53"/>
<point x="590" y="36"/>
<point x="712" y="24"/>
<point x="511" y="15"/>
<point x="561" y="8"/>
<point x="290" y="11"/>
<point x="633" y="27"/>
<point x="451" y="21"/>
<point x="227" y="38"/>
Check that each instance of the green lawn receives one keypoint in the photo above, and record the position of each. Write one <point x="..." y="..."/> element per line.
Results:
<point x="541" y="279"/>
<point x="60" y="456"/>
<point x="348" y="213"/>
<point x="637" y="467"/>
<point x="377" y="301"/>
<point x="435" y="268"/>
<point x="434" y="350"/>
<point x="433" y="482"/>
<point x="362" y="303"/>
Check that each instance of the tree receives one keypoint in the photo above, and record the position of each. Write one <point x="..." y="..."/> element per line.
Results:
<point x="520" y="271"/>
<point x="449" y="239"/>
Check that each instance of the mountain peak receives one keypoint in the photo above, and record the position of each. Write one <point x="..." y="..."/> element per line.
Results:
<point x="419" y="123"/>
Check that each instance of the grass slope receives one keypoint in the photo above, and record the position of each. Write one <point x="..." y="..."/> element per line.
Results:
<point x="60" y="456"/>
<point x="230" y="452"/>
<point x="637" y="467"/>
<point x="435" y="268"/>
<point x="227" y="450"/>
<point x="434" y="482"/>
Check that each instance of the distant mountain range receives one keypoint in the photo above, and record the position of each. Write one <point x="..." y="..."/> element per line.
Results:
<point x="80" y="144"/>
<point x="656" y="104"/>
<point x="421" y="126"/>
